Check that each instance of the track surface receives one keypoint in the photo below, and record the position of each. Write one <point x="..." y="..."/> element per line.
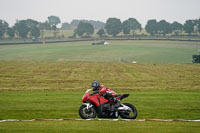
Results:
<point x="158" y="120"/>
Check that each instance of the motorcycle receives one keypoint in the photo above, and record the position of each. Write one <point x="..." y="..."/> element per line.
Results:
<point x="96" y="105"/>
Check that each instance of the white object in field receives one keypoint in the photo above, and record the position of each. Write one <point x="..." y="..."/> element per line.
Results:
<point x="134" y="62"/>
<point x="106" y="43"/>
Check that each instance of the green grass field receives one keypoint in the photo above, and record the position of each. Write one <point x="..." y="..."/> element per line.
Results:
<point x="140" y="51"/>
<point x="26" y="105"/>
<point x="54" y="89"/>
<point x="96" y="127"/>
<point x="38" y="81"/>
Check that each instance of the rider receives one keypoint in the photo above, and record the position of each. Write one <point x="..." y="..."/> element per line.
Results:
<point x="104" y="91"/>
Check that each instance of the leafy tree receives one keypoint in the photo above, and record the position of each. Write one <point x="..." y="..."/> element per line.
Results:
<point x="44" y="26"/>
<point x="33" y="28"/>
<point x="3" y="27"/>
<point x="31" y="23"/>
<point x="96" y="24"/>
<point x="79" y="30"/>
<point x="54" y="28"/>
<point x="151" y="27"/>
<point x="163" y="27"/>
<point x="189" y="26"/>
<point x="35" y="32"/>
<point x="113" y="26"/>
<point x="101" y="32"/>
<point x="74" y="23"/>
<point x="84" y="28"/>
<point x="176" y="27"/>
<point x="134" y="24"/>
<point x="125" y="27"/>
<point x="11" y="32"/>
<point x="198" y="24"/>
<point x="131" y="24"/>
<point x="89" y="29"/>
<point x="53" y="20"/>
<point x="22" y="28"/>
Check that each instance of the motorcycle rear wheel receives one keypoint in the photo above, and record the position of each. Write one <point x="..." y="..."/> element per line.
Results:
<point x="87" y="113"/>
<point x="129" y="114"/>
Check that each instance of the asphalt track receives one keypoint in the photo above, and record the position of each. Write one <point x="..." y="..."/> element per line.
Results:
<point x="72" y="119"/>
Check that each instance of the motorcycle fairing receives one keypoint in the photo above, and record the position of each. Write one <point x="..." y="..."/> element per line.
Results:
<point x="97" y="100"/>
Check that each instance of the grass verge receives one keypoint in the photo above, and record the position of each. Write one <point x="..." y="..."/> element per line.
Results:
<point x="99" y="126"/>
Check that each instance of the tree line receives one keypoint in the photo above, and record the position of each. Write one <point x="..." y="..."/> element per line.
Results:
<point x="74" y="23"/>
<point x="114" y="26"/>
<point x="29" y="27"/>
<point x="84" y="28"/>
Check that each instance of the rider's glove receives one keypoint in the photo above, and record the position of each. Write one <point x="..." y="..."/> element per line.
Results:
<point x="115" y="99"/>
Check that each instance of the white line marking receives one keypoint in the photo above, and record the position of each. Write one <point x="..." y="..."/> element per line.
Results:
<point x="158" y="120"/>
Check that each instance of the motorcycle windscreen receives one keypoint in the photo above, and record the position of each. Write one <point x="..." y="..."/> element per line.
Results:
<point x="85" y="97"/>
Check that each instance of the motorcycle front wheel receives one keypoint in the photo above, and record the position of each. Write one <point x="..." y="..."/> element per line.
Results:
<point x="87" y="113"/>
<point x="129" y="114"/>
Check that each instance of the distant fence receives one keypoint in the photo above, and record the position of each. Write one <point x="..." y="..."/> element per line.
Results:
<point x="156" y="39"/>
<point x="41" y="42"/>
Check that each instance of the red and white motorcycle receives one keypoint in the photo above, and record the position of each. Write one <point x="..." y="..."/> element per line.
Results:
<point x="96" y="105"/>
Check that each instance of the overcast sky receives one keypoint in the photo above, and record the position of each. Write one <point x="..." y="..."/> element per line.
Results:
<point x="67" y="10"/>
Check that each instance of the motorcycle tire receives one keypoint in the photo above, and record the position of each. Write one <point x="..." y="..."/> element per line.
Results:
<point x="126" y="115"/>
<point x="87" y="113"/>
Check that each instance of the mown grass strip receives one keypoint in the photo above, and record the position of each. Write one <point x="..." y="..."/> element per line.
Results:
<point x="79" y="75"/>
<point x="96" y="126"/>
<point x="57" y="104"/>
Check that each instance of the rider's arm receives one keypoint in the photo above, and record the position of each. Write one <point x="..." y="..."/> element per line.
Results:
<point x="102" y="90"/>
